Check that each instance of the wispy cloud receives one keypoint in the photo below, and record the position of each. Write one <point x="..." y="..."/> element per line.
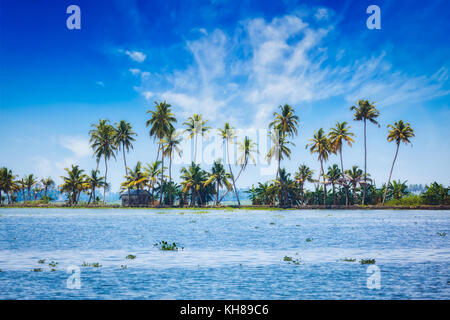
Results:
<point x="136" y="55"/>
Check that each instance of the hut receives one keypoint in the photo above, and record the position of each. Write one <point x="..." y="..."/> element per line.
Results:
<point x="135" y="198"/>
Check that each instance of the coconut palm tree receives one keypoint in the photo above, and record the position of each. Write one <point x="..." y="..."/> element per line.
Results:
<point x="152" y="172"/>
<point x="279" y="148"/>
<point x="30" y="182"/>
<point x="304" y="174"/>
<point x="356" y="176"/>
<point x="246" y="150"/>
<point x="285" y="121"/>
<point x="8" y="183"/>
<point x="193" y="178"/>
<point x="334" y="176"/>
<point x="123" y="137"/>
<point x="196" y="126"/>
<point x="135" y="179"/>
<point x="365" y="111"/>
<point x="161" y="122"/>
<point x="400" y="132"/>
<point x="47" y="183"/>
<point x="93" y="181"/>
<point x="227" y="135"/>
<point x="73" y="183"/>
<point x="338" y="135"/>
<point x="104" y="145"/>
<point x="320" y="144"/>
<point x="171" y="146"/>
<point x="220" y="177"/>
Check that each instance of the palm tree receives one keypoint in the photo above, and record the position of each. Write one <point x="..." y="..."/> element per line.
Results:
<point x="30" y="182"/>
<point x="320" y="144"/>
<point x="227" y="135"/>
<point x="285" y="121"/>
<point x="195" y="126"/>
<point x="171" y="146"/>
<point x="355" y="177"/>
<point x="338" y="135"/>
<point x="161" y="123"/>
<point x="400" y="132"/>
<point x="135" y="178"/>
<point x="152" y="171"/>
<point x="246" y="150"/>
<point x="73" y="183"/>
<point x="47" y="183"/>
<point x="220" y="178"/>
<point x="103" y="143"/>
<point x="334" y="175"/>
<point x="279" y="148"/>
<point x="398" y="189"/>
<point x="94" y="181"/>
<point x="365" y="111"/>
<point x="193" y="179"/>
<point x="123" y="138"/>
<point x="7" y="183"/>
<point x="304" y="174"/>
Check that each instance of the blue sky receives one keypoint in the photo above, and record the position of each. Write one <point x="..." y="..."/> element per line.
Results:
<point x="231" y="61"/>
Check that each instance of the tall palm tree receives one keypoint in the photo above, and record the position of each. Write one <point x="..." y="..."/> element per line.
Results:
<point x="94" y="181"/>
<point x="304" y="174"/>
<point x="334" y="176"/>
<point x="338" y="135"/>
<point x="152" y="171"/>
<point x="47" y="183"/>
<point x="285" y="121"/>
<point x="279" y="148"/>
<point x="8" y="183"/>
<point x="135" y="178"/>
<point x="220" y="177"/>
<point x="365" y="111"/>
<point x="123" y="138"/>
<point x="196" y="126"/>
<point x="246" y="149"/>
<point x="227" y="135"/>
<point x="320" y="144"/>
<point x="104" y="145"/>
<point x="400" y="132"/>
<point x="161" y="122"/>
<point x="171" y="147"/>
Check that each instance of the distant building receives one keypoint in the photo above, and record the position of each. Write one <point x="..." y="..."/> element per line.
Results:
<point x="135" y="198"/>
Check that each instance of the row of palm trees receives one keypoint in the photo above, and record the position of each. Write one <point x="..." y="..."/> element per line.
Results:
<point x="107" y="140"/>
<point x="29" y="186"/>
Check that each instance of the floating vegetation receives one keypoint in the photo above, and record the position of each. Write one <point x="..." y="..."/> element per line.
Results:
<point x="193" y="221"/>
<point x="53" y="270"/>
<point x="162" y="212"/>
<point x="130" y="257"/>
<point x="291" y="260"/>
<point x="308" y="239"/>
<point x="94" y="264"/>
<point x="41" y="261"/>
<point x="123" y="267"/>
<point x="53" y="264"/>
<point x="180" y="212"/>
<point x="37" y="270"/>
<point x="165" y="246"/>
<point x="256" y="227"/>
<point x="272" y="223"/>
<point x="200" y="211"/>
<point x="367" y="261"/>
<point x="442" y="234"/>
<point x="349" y="260"/>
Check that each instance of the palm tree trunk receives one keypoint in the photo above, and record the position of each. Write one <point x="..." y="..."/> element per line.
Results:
<point x="104" y="187"/>
<point x="126" y="171"/>
<point x="217" y="193"/>
<point x="23" y="195"/>
<point x="390" y="173"/>
<point x="343" y="177"/>
<point x="324" y="185"/>
<point x="232" y="177"/>
<point x="195" y="148"/>
<point x="162" y="179"/>
<point x="365" y="164"/>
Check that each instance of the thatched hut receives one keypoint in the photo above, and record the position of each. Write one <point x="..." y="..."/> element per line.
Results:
<point x="135" y="198"/>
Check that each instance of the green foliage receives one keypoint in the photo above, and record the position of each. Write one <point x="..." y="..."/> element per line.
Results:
<point x="436" y="194"/>
<point x="165" y="246"/>
<point x="409" y="200"/>
<point x="367" y="261"/>
<point x="130" y="257"/>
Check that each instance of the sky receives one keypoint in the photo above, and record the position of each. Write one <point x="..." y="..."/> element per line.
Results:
<point x="231" y="61"/>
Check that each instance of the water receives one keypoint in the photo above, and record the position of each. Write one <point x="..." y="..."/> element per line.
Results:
<point x="227" y="254"/>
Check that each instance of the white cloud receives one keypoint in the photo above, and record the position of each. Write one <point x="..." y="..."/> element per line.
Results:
<point x="322" y="14"/>
<point x="78" y="145"/>
<point x="135" y="71"/>
<point x="136" y="55"/>
<point x="100" y="83"/>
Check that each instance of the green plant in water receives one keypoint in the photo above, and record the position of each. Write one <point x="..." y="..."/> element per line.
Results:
<point x="123" y="267"/>
<point x="286" y="258"/>
<point x="367" y="261"/>
<point x="41" y="261"/>
<point x="37" y="270"/>
<point x="308" y="240"/>
<point x="290" y="259"/>
<point x="165" y="246"/>
<point x="442" y="234"/>
<point x="130" y="257"/>
<point x="53" y="264"/>
<point x="96" y="265"/>
<point x="349" y="260"/>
